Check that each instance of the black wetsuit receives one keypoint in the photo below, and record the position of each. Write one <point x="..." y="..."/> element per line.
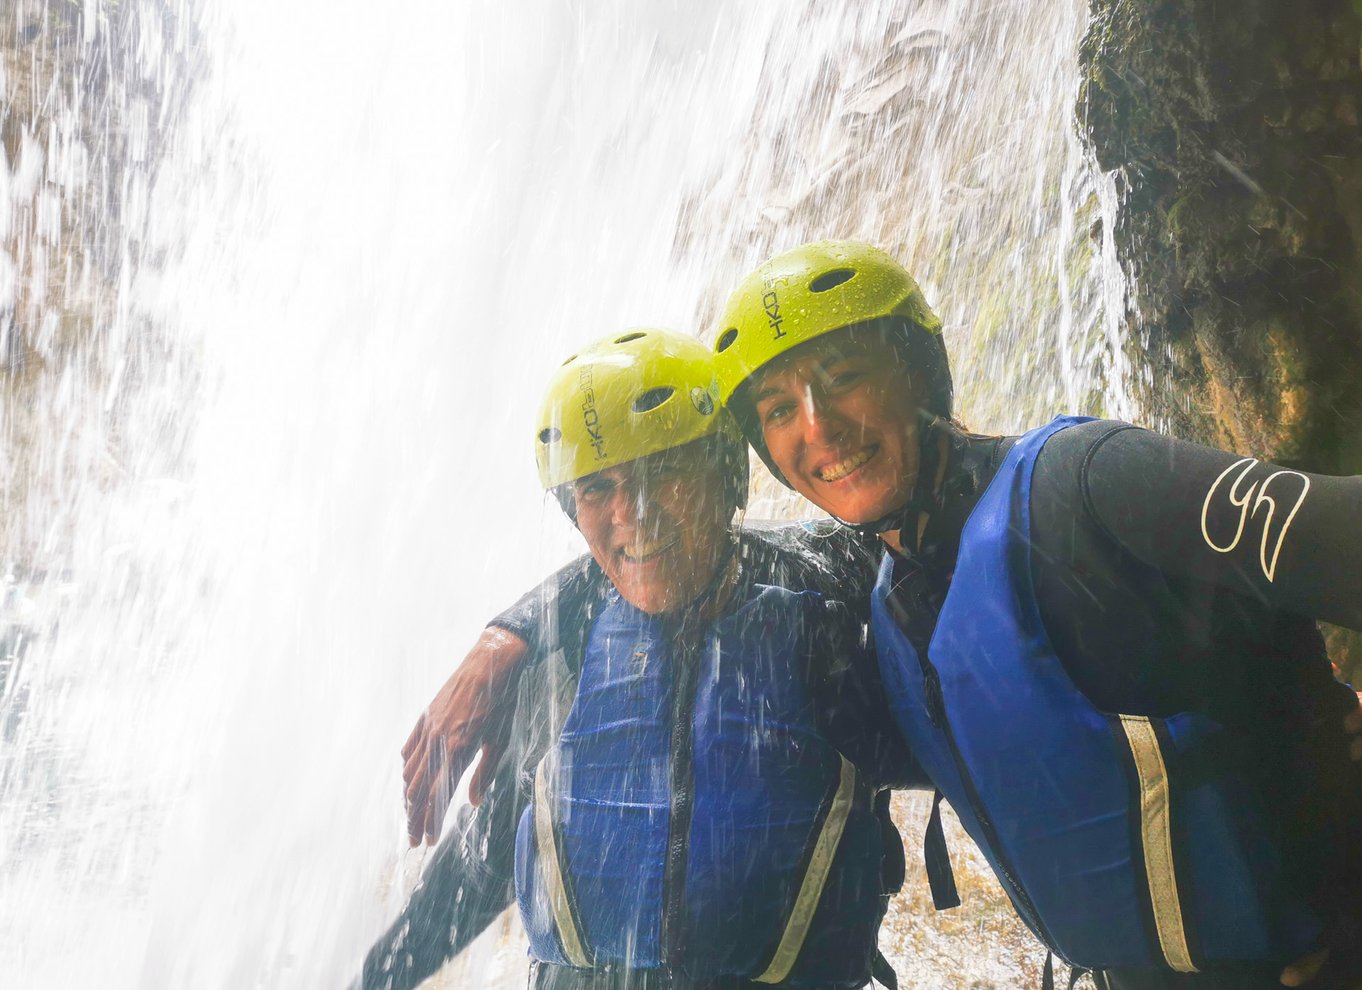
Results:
<point x="471" y="878"/>
<point x="1158" y="600"/>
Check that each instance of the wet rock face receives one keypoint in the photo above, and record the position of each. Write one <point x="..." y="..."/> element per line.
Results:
<point x="1235" y="126"/>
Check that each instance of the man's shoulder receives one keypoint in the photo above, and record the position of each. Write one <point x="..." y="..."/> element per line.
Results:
<point x="816" y="555"/>
<point x="821" y="543"/>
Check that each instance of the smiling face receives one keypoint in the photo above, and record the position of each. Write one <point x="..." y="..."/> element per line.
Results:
<point x="839" y="416"/>
<point x="658" y="526"/>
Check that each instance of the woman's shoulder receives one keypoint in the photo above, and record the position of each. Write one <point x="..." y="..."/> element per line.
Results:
<point x="1067" y="455"/>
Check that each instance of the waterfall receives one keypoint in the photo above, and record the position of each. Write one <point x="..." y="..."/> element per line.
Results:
<point x="281" y="282"/>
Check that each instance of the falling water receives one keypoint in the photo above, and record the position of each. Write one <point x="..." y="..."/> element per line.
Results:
<point x="279" y="285"/>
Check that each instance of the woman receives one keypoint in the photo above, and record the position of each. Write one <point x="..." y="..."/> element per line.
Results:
<point x="1099" y="642"/>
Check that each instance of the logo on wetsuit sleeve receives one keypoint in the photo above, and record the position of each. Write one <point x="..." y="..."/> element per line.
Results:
<point x="1248" y="507"/>
<point x="591" y="419"/>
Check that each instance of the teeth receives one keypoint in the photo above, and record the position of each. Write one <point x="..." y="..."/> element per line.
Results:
<point x="841" y="469"/>
<point x="642" y="551"/>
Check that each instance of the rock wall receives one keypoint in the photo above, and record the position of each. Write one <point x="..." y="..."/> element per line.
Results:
<point x="1234" y="127"/>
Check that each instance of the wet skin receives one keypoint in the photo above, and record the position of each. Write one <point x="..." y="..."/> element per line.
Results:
<point x="657" y="526"/>
<point x="840" y="419"/>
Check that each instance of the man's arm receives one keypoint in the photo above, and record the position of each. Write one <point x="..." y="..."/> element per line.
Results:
<point x="470" y="880"/>
<point x="458" y="897"/>
<point x="471" y="711"/>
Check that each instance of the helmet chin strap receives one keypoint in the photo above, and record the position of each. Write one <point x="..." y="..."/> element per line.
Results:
<point x="925" y="496"/>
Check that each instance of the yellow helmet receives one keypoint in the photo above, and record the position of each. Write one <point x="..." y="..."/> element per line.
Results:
<point x="818" y="288"/>
<point x="627" y="396"/>
<point x="802" y="294"/>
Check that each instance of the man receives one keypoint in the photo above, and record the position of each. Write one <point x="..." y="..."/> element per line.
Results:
<point x="706" y="812"/>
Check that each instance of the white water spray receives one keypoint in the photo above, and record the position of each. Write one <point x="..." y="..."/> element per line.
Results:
<point x="357" y="244"/>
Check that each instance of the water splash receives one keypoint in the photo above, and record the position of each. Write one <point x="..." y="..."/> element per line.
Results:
<point x="282" y="283"/>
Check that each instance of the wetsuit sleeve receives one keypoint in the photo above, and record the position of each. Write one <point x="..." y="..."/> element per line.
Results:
<point x="470" y="881"/>
<point x="852" y="709"/>
<point x="822" y="556"/>
<point x="1290" y="539"/>
<point x="559" y="610"/>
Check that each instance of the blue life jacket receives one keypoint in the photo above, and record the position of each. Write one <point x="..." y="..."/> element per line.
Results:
<point x="692" y="817"/>
<point x="1123" y="841"/>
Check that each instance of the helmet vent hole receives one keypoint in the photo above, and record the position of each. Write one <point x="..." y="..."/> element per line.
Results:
<point x="653" y="398"/>
<point x="726" y="339"/>
<point x="832" y="279"/>
<point x="628" y="337"/>
<point x="550" y="434"/>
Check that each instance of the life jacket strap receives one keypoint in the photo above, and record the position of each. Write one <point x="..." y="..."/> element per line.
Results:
<point x="551" y="869"/>
<point x="1076" y="973"/>
<point x="936" y="858"/>
<point x="1156" y="837"/>
<point x="815" y="877"/>
<point x="883" y="973"/>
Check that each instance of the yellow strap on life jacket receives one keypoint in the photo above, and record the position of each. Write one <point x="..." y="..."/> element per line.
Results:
<point x="811" y="888"/>
<point x="1156" y="833"/>
<point x="550" y="869"/>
